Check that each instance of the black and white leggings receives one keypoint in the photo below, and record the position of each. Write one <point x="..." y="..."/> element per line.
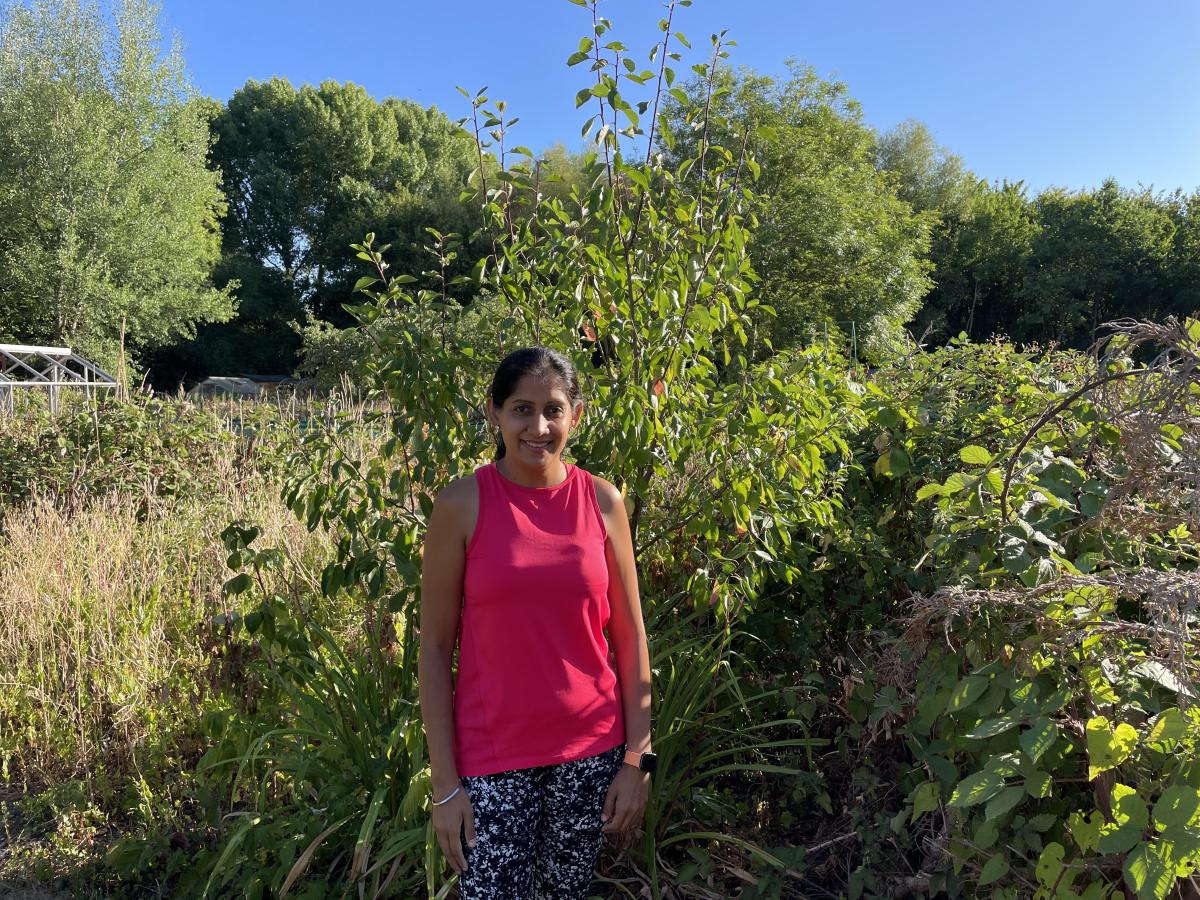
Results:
<point x="537" y="831"/>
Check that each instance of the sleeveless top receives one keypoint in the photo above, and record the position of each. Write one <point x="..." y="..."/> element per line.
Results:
<point x="535" y="682"/>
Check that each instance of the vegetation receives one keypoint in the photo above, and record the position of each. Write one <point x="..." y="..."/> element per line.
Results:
<point x="920" y="630"/>
<point x="109" y="234"/>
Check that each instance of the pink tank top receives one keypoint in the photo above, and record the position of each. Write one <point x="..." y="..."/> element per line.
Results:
<point x="535" y="683"/>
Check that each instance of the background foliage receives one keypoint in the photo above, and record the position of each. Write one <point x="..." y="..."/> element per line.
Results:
<point x="922" y="629"/>
<point x="109" y="230"/>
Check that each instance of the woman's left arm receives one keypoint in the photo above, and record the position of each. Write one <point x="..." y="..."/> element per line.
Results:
<point x="625" y="804"/>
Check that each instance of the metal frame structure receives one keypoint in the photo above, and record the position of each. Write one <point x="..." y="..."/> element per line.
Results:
<point x="51" y="368"/>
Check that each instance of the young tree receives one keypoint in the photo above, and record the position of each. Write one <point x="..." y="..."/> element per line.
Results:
<point x="108" y="212"/>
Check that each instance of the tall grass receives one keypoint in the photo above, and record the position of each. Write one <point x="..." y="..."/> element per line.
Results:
<point x="106" y="623"/>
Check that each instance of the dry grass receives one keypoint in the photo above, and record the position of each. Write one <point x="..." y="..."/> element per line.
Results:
<point x="103" y="619"/>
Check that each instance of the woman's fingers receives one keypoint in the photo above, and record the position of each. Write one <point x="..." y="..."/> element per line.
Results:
<point x="469" y="825"/>
<point x="447" y="842"/>
<point x="606" y="814"/>
<point x="450" y="826"/>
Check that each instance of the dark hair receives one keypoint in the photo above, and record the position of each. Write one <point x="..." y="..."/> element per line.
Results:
<point x="540" y="362"/>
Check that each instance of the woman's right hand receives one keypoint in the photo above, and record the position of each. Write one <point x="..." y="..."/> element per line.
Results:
<point x="450" y="821"/>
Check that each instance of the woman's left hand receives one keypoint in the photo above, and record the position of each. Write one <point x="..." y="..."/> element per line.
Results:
<point x="625" y="805"/>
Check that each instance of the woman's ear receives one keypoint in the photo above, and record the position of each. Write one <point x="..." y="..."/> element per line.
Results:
<point x="490" y="411"/>
<point x="575" y="419"/>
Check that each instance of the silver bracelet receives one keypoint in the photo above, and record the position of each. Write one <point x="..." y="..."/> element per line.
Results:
<point x="447" y="798"/>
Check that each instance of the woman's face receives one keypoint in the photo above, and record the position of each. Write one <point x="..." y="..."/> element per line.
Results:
<point x="534" y="421"/>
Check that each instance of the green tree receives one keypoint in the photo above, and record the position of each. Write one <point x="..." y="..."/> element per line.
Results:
<point x="108" y="211"/>
<point x="834" y="242"/>
<point x="1185" y="254"/>
<point x="929" y="177"/>
<point x="1099" y="255"/>
<point x="308" y="171"/>
<point x="981" y="253"/>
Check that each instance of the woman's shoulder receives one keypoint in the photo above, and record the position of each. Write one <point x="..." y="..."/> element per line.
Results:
<point x="607" y="495"/>
<point x="462" y="491"/>
<point x="457" y="505"/>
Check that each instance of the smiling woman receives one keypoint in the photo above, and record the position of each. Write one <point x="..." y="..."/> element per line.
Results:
<point x="527" y="562"/>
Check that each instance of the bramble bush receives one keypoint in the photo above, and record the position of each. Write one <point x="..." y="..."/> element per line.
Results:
<point x="1033" y="679"/>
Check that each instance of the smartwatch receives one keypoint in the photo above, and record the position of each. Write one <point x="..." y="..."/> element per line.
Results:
<point x="645" y="762"/>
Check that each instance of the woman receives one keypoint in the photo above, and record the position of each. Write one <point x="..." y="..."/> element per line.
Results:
<point x="540" y="745"/>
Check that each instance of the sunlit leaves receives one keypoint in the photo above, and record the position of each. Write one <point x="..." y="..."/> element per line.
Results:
<point x="1178" y="805"/>
<point x="966" y="692"/>
<point x="1149" y="871"/>
<point x="976" y="788"/>
<point x="1038" y="738"/>
<point x="1108" y="746"/>
<point x="1130" y="818"/>
<point x="1050" y="864"/>
<point x="1170" y="726"/>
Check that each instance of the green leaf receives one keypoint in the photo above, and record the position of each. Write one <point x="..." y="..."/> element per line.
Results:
<point x="986" y="834"/>
<point x="1157" y="672"/>
<point x="1038" y="738"/>
<point x="994" y="869"/>
<point x="968" y="690"/>
<point x="1179" y="805"/>
<point x="1042" y="822"/>
<point x="976" y="788"/>
<point x="1038" y="785"/>
<point x="955" y="483"/>
<point x="974" y="455"/>
<point x="1086" y="831"/>
<point x="925" y="799"/>
<point x="1130" y="818"/>
<point x="1108" y="747"/>
<point x="993" y="727"/>
<point x="1004" y="802"/>
<point x="238" y="584"/>
<point x="1169" y="727"/>
<point x="1050" y="864"/>
<point x="929" y="490"/>
<point x="1149" y="873"/>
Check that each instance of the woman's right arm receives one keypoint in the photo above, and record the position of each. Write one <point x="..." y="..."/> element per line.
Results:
<point x="442" y="564"/>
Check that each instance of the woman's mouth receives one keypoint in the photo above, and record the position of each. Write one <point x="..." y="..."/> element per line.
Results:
<point x="537" y="446"/>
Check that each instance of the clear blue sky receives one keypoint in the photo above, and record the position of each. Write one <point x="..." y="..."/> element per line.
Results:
<point x="1057" y="92"/>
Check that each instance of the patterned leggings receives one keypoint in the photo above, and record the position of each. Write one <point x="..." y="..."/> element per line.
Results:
<point x="537" y="831"/>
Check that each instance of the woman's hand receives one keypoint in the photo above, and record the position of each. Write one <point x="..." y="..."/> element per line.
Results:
<point x="450" y="821"/>
<point x="625" y="805"/>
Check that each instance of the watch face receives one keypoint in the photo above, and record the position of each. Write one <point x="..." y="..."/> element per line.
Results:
<point x="649" y="762"/>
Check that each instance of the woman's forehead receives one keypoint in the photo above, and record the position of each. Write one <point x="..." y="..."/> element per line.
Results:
<point x="539" y="389"/>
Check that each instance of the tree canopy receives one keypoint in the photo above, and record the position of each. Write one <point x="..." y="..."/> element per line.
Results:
<point x="109" y="215"/>
<point x="834" y="247"/>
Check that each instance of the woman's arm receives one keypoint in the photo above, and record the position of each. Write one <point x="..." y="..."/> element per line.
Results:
<point x="626" y="802"/>
<point x="442" y="564"/>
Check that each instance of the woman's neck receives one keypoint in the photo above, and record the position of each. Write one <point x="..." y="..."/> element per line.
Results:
<point x="551" y="475"/>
